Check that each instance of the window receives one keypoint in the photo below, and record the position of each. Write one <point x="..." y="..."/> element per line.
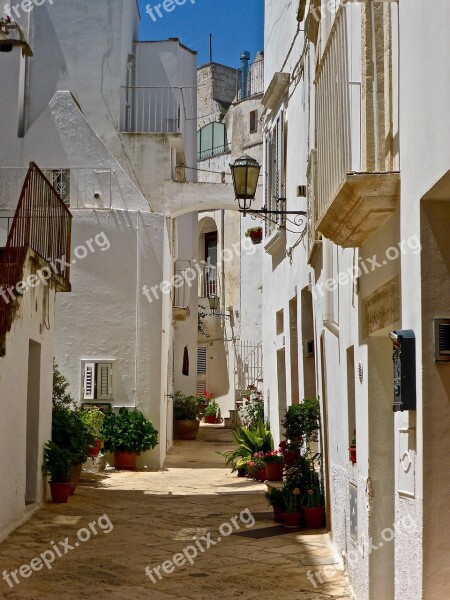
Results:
<point x="212" y="141"/>
<point x="60" y="180"/>
<point x="275" y="175"/>
<point x="254" y="121"/>
<point x="211" y="264"/>
<point x="201" y="369"/>
<point x="97" y="381"/>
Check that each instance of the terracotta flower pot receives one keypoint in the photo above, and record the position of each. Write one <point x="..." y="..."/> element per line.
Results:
<point x="290" y="457"/>
<point x="188" y="430"/>
<point x="60" y="492"/>
<point x="262" y="475"/>
<point x="76" y="474"/>
<point x="125" y="461"/>
<point x="210" y="420"/>
<point x="256" y="236"/>
<point x="274" y="471"/>
<point x="277" y="515"/>
<point x="314" y="517"/>
<point x="292" y="519"/>
<point x="352" y="452"/>
<point x="95" y="450"/>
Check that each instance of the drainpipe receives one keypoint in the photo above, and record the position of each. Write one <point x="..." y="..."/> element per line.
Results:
<point x="245" y="57"/>
<point x="328" y="309"/>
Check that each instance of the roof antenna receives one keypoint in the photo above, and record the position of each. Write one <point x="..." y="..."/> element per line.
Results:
<point x="210" y="47"/>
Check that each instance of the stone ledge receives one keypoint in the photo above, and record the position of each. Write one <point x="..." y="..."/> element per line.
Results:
<point x="363" y="203"/>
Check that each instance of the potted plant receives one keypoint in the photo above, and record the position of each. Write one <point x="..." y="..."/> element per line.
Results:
<point x="275" y="498"/>
<point x="93" y="418"/>
<point x="312" y="499"/>
<point x="259" y="466"/>
<point x="6" y="23"/>
<point x="58" y="465"/>
<point x="128" y="434"/>
<point x="186" y="412"/>
<point x="290" y="451"/>
<point x="255" y="234"/>
<point x="71" y="433"/>
<point x="352" y="449"/>
<point x="291" y="514"/>
<point x="274" y="462"/>
<point x="249" y="440"/>
<point x="302" y="421"/>
<point x="212" y="412"/>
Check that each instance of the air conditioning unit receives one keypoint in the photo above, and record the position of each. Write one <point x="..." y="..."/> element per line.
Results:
<point x="442" y="340"/>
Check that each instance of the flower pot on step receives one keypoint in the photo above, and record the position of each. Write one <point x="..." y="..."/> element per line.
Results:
<point x="314" y="517"/>
<point x="188" y="430"/>
<point x="274" y="471"/>
<point x="292" y="519"/>
<point x="95" y="450"/>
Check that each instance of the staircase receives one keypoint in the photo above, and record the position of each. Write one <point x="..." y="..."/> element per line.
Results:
<point x="41" y="223"/>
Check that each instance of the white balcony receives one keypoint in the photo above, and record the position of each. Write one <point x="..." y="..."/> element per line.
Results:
<point x="357" y="179"/>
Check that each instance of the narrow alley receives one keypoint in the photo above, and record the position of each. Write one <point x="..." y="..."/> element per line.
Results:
<point x="119" y="524"/>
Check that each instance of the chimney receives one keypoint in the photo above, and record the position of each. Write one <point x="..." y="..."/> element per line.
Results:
<point x="245" y="57"/>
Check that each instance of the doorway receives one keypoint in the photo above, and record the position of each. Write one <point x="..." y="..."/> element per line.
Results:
<point x="33" y="405"/>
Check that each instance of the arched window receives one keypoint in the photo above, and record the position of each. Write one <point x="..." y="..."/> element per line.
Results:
<point x="211" y="141"/>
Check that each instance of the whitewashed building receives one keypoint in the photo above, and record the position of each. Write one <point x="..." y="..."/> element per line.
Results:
<point x="112" y="123"/>
<point x="357" y="135"/>
<point x="229" y="126"/>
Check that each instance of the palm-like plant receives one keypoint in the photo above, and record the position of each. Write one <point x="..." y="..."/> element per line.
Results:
<point x="250" y="440"/>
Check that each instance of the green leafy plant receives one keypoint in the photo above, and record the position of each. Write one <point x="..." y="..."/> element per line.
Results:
<point x="93" y="419"/>
<point x="57" y="463"/>
<point x="291" y="499"/>
<point x="60" y="385"/>
<point x="312" y="496"/>
<point x="201" y="325"/>
<point x="186" y="408"/>
<point x="252" y="411"/>
<point x="250" y="440"/>
<point x="128" y="431"/>
<point x="70" y="432"/>
<point x="275" y="498"/>
<point x="302" y="421"/>
<point x="212" y="410"/>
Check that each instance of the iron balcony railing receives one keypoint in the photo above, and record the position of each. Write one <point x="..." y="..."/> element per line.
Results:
<point x="147" y="109"/>
<point x="41" y="222"/>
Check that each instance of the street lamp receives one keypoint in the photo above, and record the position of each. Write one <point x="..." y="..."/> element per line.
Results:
<point x="214" y="303"/>
<point x="245" y="180"/>
<point x="245" y="171"/>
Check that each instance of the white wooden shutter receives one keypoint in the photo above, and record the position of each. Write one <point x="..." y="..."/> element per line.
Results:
<point x="104" y="381"/>
<point x="88" y="381"/>
<point x="201" y="369"/>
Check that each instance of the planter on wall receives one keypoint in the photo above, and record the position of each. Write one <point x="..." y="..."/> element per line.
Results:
<point x="352" y="453"/>
<point x="188" y="430"/>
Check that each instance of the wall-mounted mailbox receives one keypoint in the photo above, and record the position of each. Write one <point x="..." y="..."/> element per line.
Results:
<point x="404" y="358"/>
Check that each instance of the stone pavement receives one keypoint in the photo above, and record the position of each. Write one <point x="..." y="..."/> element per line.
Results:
<point x="169" y="515"/>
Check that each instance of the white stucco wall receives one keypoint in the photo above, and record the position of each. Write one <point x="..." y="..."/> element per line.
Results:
<point x="34" y="321"/>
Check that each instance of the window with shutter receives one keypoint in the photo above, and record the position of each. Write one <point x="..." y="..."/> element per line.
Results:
<point x="97" y="381"/>
<point x="88" y="381"/>
<point x="201" y="369"/>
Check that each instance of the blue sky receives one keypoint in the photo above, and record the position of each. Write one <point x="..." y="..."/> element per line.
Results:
<point x="236" y="25"/>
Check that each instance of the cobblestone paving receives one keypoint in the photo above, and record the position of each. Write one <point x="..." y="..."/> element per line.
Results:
<point x="169" y="516"/>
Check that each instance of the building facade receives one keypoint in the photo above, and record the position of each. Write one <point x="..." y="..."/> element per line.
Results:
<point x="350" y="141"/>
